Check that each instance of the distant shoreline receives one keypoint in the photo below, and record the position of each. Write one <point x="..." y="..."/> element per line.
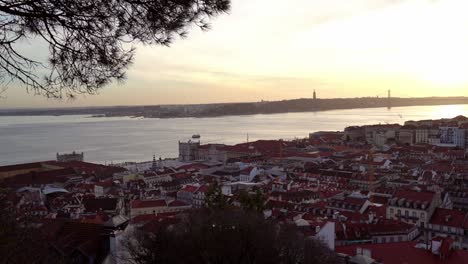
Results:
<point x="239" y="109"/>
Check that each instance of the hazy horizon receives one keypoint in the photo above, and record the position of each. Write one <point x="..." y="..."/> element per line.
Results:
<point x="272" y="50"/>
<point x="210" y="103"/>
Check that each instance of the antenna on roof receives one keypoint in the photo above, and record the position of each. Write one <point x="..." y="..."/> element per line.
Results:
<point x="281" y="148"/>
<point x="371" y="175"/>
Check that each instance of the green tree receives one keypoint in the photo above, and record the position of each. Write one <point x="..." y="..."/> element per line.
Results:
<point x="255" y="202"/>
<point x="215" y="199"/>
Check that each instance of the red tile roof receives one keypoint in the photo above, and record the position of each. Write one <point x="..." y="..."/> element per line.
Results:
<point x="189" y="188"/>
<point x="193" y="166"/>
<point x="96" y="205"/>
<point x="181" y="175"/>
<point x="270" y="148"/>
<point x="177" y="203"/>
<point x="25" y="166"/>
<point x="148" y="203"/>
<point x="204" y="188"/>
<point x="404" y="253"/>
<point x="69" y="236"/>
<point x="415" y="195"/>
<point x="41" y="177"/>
<point x="448" y="217"/>
<point x="247" y="170"/>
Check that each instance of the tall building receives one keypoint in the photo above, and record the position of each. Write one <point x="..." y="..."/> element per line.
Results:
<point x="315" y="95"/>
<point x="74" y="156"/>
<point x="154" y="165"/>
<point x="189" y="151"/>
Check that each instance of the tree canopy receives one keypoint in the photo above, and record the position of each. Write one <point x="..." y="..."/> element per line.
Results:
<point x="90" y="42"/>
<point x="229" y="236"/>
<point x="255" y="201"/>
<point x="215" y="198"/>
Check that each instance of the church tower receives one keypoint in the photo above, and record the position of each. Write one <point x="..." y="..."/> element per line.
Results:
<point x="154" y="166"/>
<point x="315" y="95"/>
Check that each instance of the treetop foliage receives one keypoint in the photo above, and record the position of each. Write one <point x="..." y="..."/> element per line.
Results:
<point x="229" y="236"/>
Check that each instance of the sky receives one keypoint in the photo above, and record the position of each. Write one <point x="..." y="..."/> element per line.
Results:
<point x="285" y="49"/>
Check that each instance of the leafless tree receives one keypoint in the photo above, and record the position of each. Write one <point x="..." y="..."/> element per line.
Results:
<point x="90" y="42"/>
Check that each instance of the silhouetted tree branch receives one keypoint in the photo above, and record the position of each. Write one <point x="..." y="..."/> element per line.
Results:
<point x="90" y="41"/>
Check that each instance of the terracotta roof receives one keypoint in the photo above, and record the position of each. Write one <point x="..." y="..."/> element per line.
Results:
<point x="181" y="175"/>
<point x="204" y="188"/>
<point x="148" y="203"/>
<point x="154" y="226"/>
<point x="193" y="166"/>
<point x="177" y="203"/>
<point x="96" y="205"/>
<point x="448" y="217"/>
<point x="270" y="148"/>
<point x="189" y="188"/>
<point x="415" y="195"/>
<point x="25" y="166"/>
<point x="41" y="177"/>
<point x="247" y="170"/>
<point x="69" y="236"/>
<point x="406" y="253"/>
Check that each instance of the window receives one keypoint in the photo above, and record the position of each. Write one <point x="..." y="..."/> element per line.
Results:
<point x="392" y="211"/>
<point x="406" y="213"/>
<point x="399" y="212"/>
<point x="423" y="216"/>
<point x="415" y="214"/>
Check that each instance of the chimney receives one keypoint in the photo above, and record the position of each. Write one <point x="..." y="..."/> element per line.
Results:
<point x="115" y="245"/>
<point x="367" y="253"/>
<point x="448" y="218"/>
<point x="358" y="251"/>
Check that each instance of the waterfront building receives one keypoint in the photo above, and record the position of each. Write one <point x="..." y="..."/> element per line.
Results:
<point x="421" y="135"/>
<point x="74" y="156"/>
<point x="450" y="223"/>
<point x="414" y="207"/>
<point x="189" y="151"/>
<point x="406" y="135"/>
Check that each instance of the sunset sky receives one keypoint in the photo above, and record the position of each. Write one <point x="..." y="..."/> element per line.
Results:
<point x="278" y="49"/>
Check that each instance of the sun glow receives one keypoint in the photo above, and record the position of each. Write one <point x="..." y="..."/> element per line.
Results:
<point x="341" y="48"/>
<point x="440" y="54"/>
<point x="448" y="111"/>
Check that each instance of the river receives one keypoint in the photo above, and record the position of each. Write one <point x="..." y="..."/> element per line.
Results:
<point x="104" y="140"/>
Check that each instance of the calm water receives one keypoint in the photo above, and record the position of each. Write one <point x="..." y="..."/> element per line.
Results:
<point x="27" y="139"/>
